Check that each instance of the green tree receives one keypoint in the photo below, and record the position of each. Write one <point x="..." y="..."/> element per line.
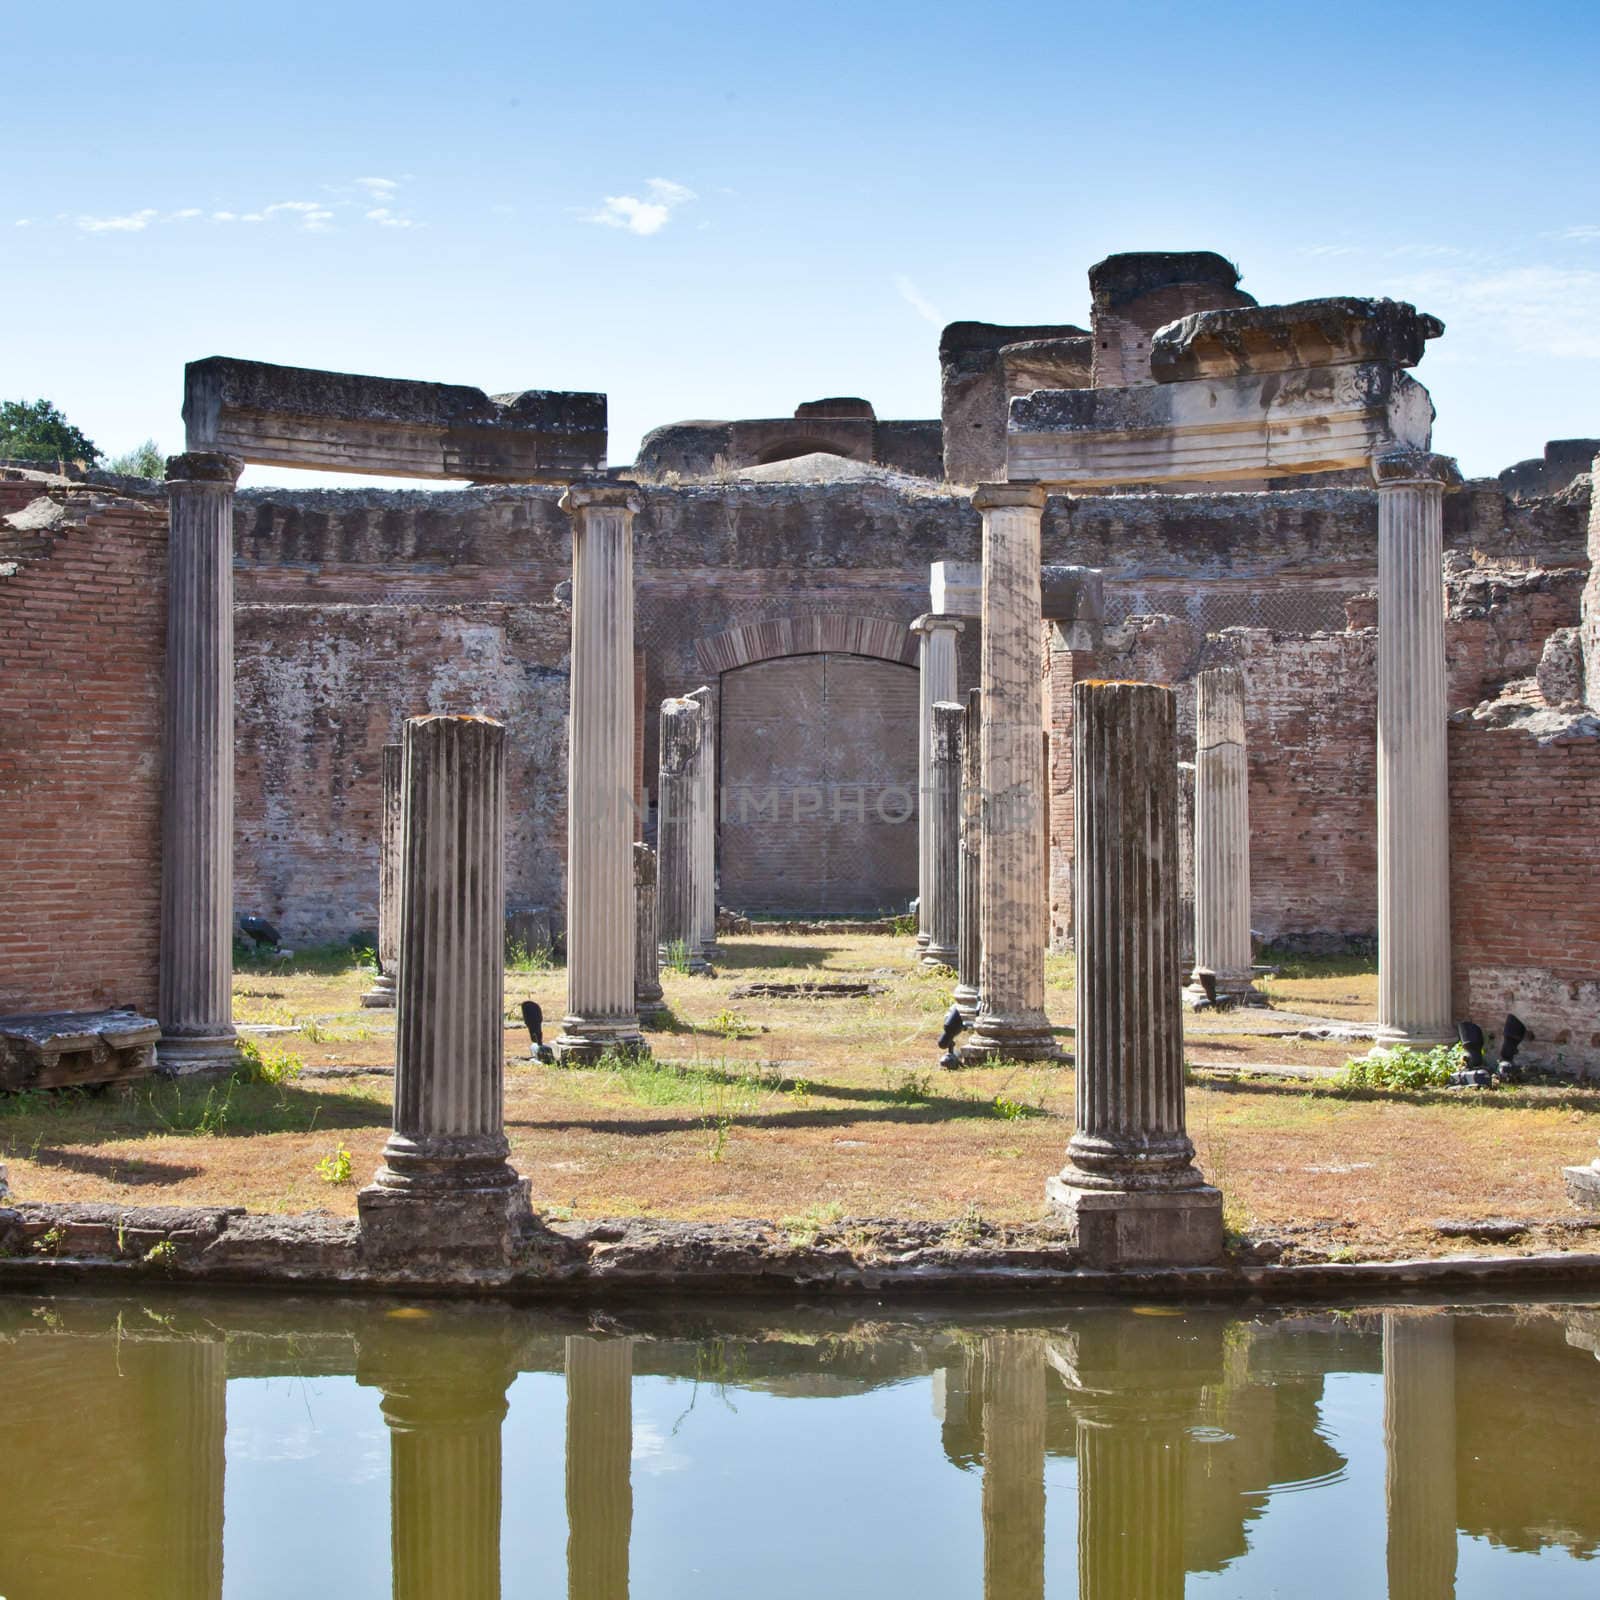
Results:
<point x="143" y="461"/>
<point x="36" y="431"/>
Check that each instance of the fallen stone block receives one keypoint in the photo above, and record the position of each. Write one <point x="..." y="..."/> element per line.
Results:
<point x="59" y="1049"/>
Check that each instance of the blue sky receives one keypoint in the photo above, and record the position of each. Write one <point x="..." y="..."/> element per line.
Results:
<point x="718" y="210"/>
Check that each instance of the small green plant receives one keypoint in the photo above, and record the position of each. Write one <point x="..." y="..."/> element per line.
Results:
<point x="676" y="955"/>
<point x="729" y="1025"/>
<point x="337" y="1168"/>
<point x="1010" y="1110"/>
<point x="903" y="927"/>
<point x="50" y="1241"/>
<point x="263" y="1066"/>
<point x="522" y="957"/>
<point x="912" y="1088"/>
<point x="163" y="1254"/>
<point x="803" y="1230"/>
<point x="967" y="1229"/>
<point x="800" y="1092"/>
<point x="313" y="1030"/>
<point x="1401" y="1067"/>
<point x="718" y="1128"/>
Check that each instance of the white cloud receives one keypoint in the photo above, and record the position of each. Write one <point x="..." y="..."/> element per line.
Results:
<point x="644" y="217"/>
<point x="1585" y="231"/>
<point x="1538" y="310"/>
<point x="23" y="222"/>
<point x="655" y="1452"/>
<point x="224" y="216"/>
<point x="1328" y="250"/>
<point x="187" y="213"/>
<point x="919" y="302"/>
<point x="131" y="222"/>
<point x="378" y="188"/>
<point x="385" y="218"/>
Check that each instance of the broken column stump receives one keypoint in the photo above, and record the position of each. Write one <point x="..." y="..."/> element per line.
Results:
<point x="1130" y="1188"/>
<point x="446" y="1194"/>
<point x="381" y="995"/>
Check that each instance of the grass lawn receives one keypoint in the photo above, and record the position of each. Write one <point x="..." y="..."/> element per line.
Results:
<point x="780" y="1107"/>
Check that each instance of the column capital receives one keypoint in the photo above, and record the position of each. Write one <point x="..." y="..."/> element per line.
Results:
<point x="931" y="621"/>
<point x="1395" y="469"/>
<point x="601" y="495"/>
<point x="992" y="496"/>
<point x="202" y="469"/>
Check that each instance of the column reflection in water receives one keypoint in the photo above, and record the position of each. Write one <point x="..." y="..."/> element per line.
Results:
<point x="1134" y="1390"/>
<point x="1419" y="1435"/>
<point x="114" y="1449"/>
<point x="1013" y="1466"/>
<point x="599" y="1457"/>
<point x="444" y="1401"/>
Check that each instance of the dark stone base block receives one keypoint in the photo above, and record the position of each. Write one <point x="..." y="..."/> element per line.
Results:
<point x="209" y="1056"/>
<point x="444" y="1227"/>
<point x="583" y="1045"/>
<point x="1141" y="1228"/>
<point x="381" y="996"/>
<point x="994" y="1041"/>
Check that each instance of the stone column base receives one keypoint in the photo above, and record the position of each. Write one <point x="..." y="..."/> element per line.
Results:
<point x="653" y="1013"/>
<point x="1583" y="1186"/>
<point x="936" y="955"/>
<point x="1140" y="1228"/>
<point x="439" y="1227"/>
<point x="1007" y="1039"/>
<point x="583" y="1040"/>
<point x="1421" y="1038"/>
<point x="964" y="997"/>
<point x="380" y="997"/>
<point x="211" y="1055"/>
<point x="1233" y="989"/>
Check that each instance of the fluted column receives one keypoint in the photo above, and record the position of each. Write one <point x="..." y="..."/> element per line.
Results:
<point x="600" y="914"/>
<point x="196" y="979"/>
<point x="382" y="992"/>
<point x="445" y="1418"/>
<point x="1013" y="1466"/>
<point x="942" y="800"/>
<point x="190" y="1396"/>
<point x="445" y="1188"/>
<point x="599" y="1456"/>
<point x="675" y="833"/>
<point x="1419" y="1432"/>
<point x="705" y="826"/>
<point x="965" y="994"/>
<point x="647" y="995"/>
<point x="1222" y="836"/>
<point x="937" y="640"/>
<point x="1130" y="1186"/>
<point x="1010" y="1021"/>
<point x="1413" y="771"/>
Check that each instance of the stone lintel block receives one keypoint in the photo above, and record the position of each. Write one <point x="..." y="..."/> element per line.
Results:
<point x="955" y="588"/>
<point x="1212" y="430"/>
<point x="1309" y="333"/>
<point x="1583" y="1186"/>
<point x="1017" y="490"/>
<point x="444" y="1228"/>
<point x="54" y="1049"/>
<point x="346" y="422"/>
<point x="204" y="466"/>
<point x="1114" y="1228"/>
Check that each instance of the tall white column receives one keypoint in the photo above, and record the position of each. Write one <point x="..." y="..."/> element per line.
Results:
<point x="1013" y="1466"/>
<point x="446" y="1191"/>
<point x="705" y="826"/>
<point x="942" y="800"/>
<point x="1010" y="1021"/>
<point x="937" y="638"/>
<point x="600" y="906"/>
<point x="1130" y="1187"/>
<point x="196" y="979"/>
<point x="675" y="834"/>
<point x="965" y="994"/>
<point x="382" y="992"/>
<point x="1222" y="837"/>
<point x="1413" y="765"/>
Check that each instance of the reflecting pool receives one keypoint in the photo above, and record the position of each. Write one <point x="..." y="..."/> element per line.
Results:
<point x="190" y="1448"/>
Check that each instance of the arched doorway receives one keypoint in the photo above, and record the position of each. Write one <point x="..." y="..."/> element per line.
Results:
<point x="819" y="785"/>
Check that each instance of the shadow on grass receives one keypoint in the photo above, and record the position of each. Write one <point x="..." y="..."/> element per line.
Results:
<point x="129" y="1171"/>
<point x="738" y="954"/>
<point x="1555" y="1098"/>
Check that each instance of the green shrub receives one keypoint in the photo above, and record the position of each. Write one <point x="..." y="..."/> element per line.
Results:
<point x="1401" y="1067"/>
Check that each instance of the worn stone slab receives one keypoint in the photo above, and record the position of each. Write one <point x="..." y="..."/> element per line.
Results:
<point x="1212" y="430"/>
<point x="1308" y="333"/>
<point x="346" y="422"/>
<point x="54" y="1049"/>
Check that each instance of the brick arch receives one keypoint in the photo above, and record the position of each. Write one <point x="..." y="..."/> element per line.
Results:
<point x="815" y="633"/>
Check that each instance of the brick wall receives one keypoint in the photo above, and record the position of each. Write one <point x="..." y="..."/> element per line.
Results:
<point x="82" y="655"/>
<point x="1525" y="881"/>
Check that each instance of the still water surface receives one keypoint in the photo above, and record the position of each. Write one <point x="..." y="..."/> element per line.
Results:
<point x="190" y="1449"/>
